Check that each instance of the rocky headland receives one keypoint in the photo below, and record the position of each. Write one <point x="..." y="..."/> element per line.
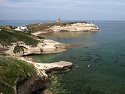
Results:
<point x="38" y="80"/>
<point x="45" y="28"/>
<point x="76" y="27"/>
<point x="17" y="45"/>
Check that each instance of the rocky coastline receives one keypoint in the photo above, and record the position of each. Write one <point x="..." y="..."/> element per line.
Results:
<point x="42" y="69"/>
<point x="38" y="81"/>
<point x="44" y="46"/>
<point x="19" y="49"/>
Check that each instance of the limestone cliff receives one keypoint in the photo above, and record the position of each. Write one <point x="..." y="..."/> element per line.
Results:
<point x="29" y="85"/>
<point x="76" y="27"/>
<point x="44" y="46"/>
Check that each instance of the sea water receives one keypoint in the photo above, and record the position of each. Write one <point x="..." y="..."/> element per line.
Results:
<point x="103" y="50"/>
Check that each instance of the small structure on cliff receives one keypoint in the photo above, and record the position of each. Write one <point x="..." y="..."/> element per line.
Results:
<point x="58" y="20"/>
<point x="21" y="28"/>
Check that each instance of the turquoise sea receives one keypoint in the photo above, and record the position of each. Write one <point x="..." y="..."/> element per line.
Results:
<point x="103" y="50"/>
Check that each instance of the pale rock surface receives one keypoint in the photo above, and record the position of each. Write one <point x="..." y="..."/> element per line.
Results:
<point x="49" y="67"/>
<point x="39" y="80"/>
<point x="56" y="66"/>
<point x="76" y="27"/>
<point x="45" y="46"/>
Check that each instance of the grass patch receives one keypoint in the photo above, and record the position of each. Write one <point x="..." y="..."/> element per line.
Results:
<point x="7" y="37"/>
<point x="10" y="70"/>
<point x="40" y="26"/>
<point x="43" y="26"/>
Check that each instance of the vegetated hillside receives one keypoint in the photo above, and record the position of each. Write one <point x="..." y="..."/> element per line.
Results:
<point x="10" y="36"/>
<point x="40" y="26"/>
<point x="45" y="26"/>
<point x="10" y="70"/>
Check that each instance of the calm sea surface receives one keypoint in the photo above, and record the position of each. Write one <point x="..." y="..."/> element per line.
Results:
<point x="103" y="50"/>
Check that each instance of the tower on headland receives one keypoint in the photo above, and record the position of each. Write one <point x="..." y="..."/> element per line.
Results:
<point x="58" y="20"/>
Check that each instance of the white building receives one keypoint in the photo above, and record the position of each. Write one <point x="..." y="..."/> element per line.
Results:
<point x="21" y="28"/>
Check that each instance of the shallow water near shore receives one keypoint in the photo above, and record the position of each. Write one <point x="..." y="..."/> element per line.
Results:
<point x="105" y="53"/>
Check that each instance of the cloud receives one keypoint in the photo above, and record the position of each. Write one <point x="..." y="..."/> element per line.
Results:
<point x="56" y="8"/>
<point x="59" y="4"/>
<point x="52" y="3"/>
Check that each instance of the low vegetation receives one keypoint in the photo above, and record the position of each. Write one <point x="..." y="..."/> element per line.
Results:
<point x="10" y="36"/>
<point x="44" y="26"/>
<point x="40" y="26"/>
<point x="10" y="70"/>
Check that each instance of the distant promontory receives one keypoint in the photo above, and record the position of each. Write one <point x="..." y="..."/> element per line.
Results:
<point x="51" y="27"/>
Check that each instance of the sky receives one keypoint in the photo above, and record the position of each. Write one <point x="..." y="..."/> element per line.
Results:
<point x="63" y="9"/>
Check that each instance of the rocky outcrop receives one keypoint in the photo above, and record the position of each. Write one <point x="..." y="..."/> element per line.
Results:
<point x="76" y="27"/>
<point x="32" y="84"/>
<point x="49" y="67"/>
<point x="56" y="66"/>
<point x="45" y="46"/>
<point x="29" y="85"/>
<point x="38" y="81"/>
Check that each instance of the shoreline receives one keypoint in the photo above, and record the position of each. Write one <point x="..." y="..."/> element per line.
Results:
<point x="49" y="67"/>
<point x="42" y="69"/>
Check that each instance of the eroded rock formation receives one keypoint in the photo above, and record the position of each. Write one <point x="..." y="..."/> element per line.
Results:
<point x="45" y="46"/>
<point x="38" y="81"/>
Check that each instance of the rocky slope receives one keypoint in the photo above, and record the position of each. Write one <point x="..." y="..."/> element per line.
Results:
<point x="28" y="85"/>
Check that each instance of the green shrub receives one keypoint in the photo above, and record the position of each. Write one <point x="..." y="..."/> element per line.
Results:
<point x="39" y="37"/>
<point x="18" y="49"/>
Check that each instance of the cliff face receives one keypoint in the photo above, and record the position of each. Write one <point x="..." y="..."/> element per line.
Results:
<point x="45" y="46"/>
<point x="76" y="27"/>
<point x="20" y="77"/>
<point x="33" y="84"/>
<point x="38" y="81"/>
